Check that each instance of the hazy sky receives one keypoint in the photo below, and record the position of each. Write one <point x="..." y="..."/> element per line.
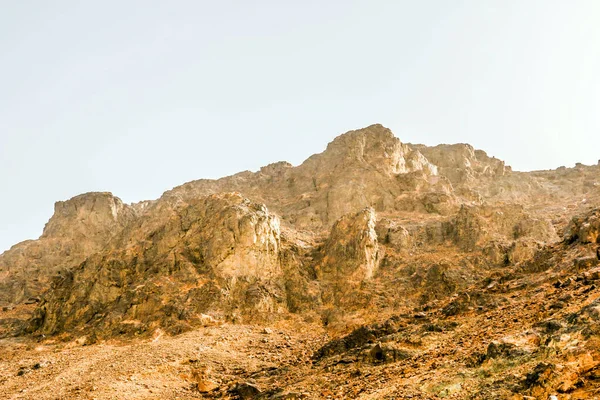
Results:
<point x="135" y="97"/>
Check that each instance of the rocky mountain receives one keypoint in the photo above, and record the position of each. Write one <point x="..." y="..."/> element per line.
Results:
<point x="396" y="251"/>
<point x="79" y="228"/>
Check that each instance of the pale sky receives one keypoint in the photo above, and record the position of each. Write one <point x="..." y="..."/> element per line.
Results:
<point x="135" y="97"/>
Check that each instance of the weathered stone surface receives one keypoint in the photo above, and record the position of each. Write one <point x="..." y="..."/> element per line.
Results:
<point x="475" y="225"/>
<point x="245" y="391"/>
<point x="462" y="163"/>
<point x="385" y="353"/>
<point x="351" y="252"/>
<point x="585" y="263"/>
<point x="584" y="228"/>
<point x="523" y="250"/>
<point x="393" y="234"/>
<point x="303" y="239"/>
<point x="217" y="254"/>
<point x="79" y="227"/>
<point x="361" y="168"/>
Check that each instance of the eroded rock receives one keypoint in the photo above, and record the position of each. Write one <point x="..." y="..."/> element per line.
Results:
<point x="78" y="228"/>
<point x="351" y="252"/>
<point x="213" y="255"/>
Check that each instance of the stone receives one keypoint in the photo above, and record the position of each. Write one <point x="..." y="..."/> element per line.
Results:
<point x="246" y="390"/>
<point x="393" y="234"/>
<point x="592" y="275"/>
<point x="503" y="350"/>
<point x="523" y="250"/>
<point x="289" y="396"/>
<point x="462" y="163"/>
<point x="352" y="250"/>
<point x="385" y="353"/>
<point x="78" y="228"/>
<point x="585" y="263"/>
<point x="224" y="236"/>
<point x="584" y="228"/>
<point x="201" y="377"/>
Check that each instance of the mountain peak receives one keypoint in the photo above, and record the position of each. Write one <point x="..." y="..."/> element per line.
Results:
<point x="375" y="147"/>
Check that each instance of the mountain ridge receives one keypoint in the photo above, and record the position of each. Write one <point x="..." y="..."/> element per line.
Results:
<point x="393" y="250"/>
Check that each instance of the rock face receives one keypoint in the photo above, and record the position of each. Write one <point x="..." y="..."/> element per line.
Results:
<point x="351" y="253"/>
<point x="584" y="228"/>
<point x="217" y="254"/>
<point x="93" y="215"/>
<point x="393" y="234"/>
<point x="234" y="237"/>
<point x="474" y="226"/>
<point x="437" y="270"/>
<point x="376" y="148"/>
<point x="461" y="163"/>
<point x="79" y="228"/>
<point x="367" y="223"/>
<point x="364" y="168"/>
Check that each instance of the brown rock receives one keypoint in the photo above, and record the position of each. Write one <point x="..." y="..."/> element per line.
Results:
<point x="79" y="227"/>
<point x="351" y="251"/>
<point x="177" y="265"/>
<point x="585" y="263"/>
<point x="246" y="390"/>
<point x="584" y="228"/>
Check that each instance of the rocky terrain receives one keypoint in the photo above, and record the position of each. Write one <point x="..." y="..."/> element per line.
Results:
<point x="375" y="270"/>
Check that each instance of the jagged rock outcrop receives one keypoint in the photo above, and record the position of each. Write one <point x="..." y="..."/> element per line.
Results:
<point x="349" y="257"/>
<point x="79" y="227"/>
<point x="218" y="254"/>
<point x="367" y="167"/>
<point x="584" y="228"/>
<point x="499" y="231"/>
<point x="461" y="163"/>
<point x="351" y="253"/>
<point x="301" y="239"/>
<point x="376" y="148"/>
<point x="88" y="215"/>
<point x="474" y="226"/>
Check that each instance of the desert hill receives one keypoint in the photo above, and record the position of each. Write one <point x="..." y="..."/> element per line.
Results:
<point x="378" y="269"/>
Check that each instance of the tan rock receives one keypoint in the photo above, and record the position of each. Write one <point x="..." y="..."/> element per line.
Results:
<point x="217" y="253"/>
<point x="351" y="251"/>
<point x="393" y="234"/>
<point x="584" y="228"/>
<point x="78" y="228"/>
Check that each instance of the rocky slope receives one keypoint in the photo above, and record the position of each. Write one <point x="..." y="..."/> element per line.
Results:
<point x="438" y="270"/>
<point x="367" y="167"/>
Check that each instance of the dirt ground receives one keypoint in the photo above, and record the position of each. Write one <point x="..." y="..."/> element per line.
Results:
<point x="158" y="368"/>
<point x="278" y="362"/>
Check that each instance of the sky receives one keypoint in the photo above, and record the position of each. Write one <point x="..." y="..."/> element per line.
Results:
<point x="136" y="97"/>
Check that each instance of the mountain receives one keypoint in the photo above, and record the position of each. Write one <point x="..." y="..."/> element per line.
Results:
<point x="397" y="252"/>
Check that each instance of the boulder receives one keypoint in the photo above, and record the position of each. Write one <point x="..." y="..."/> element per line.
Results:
<point x="584" y="228"/>
<point x="393" y="234"/>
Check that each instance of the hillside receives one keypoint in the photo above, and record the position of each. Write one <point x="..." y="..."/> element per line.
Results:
<point x="375" y="270"/>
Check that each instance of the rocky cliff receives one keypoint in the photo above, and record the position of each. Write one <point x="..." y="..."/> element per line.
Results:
<point x="447" y="195"/>
<point x="384" y="241"/>
<point x="79" y="228"/>
<point x="362" y="168"/>
<point x="218" y="254"/>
